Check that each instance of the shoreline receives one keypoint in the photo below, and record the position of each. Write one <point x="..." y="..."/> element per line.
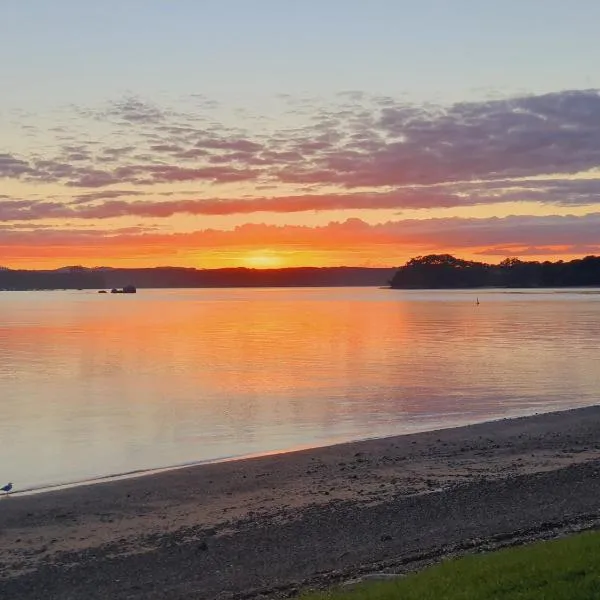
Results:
<point x="305" y="517"/>
<point x="149" y="472"/>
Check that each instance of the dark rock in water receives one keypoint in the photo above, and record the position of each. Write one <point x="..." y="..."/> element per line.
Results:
<point x="102" y="291"/>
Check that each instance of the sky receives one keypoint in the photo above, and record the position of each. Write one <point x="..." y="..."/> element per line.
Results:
<point x="229" y="133"/>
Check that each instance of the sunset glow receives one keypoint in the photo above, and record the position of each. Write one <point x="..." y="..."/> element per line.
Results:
<point x="263" y="260"/>
<point x="261" y="166"/>
<point x="287" y="290"/>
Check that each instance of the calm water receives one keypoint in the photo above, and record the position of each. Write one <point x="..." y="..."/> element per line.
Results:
<point x="94" y="385"/>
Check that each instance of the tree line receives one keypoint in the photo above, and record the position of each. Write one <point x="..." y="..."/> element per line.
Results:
<point x="447" y="271"/>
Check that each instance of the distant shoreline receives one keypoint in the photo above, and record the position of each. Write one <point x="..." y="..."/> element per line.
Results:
<point x="171" y="277"/>
<point x="349" y="286"/>
<point x="434" y="271"/>
<point x="275" y="524"/>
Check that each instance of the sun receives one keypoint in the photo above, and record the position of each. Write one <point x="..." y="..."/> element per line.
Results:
<point x="262" y="259"/>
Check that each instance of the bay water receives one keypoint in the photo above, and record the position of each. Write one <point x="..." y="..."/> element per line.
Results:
<point x="98" y="385"/>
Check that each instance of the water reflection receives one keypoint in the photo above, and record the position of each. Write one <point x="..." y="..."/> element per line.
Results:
<point x="92" y="385"/>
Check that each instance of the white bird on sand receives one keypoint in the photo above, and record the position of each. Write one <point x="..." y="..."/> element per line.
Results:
<point x="6" y="489"/>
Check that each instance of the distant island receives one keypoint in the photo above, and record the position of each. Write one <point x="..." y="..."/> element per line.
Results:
<point x="443" y="271"/>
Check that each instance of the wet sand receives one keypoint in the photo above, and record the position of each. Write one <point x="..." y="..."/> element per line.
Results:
<point x="268" y="527"/>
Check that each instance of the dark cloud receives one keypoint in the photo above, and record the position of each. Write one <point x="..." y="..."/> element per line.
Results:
<point x="19" y="242"/>
<point x="191" y="154"/>
<point x="134" y="110"/>
<point x="77" y="153"/>
<point x="523" y="230"/>
<point x="239" y="145"/>
<point x="550" y="251"/>
<point x="170" y="174"/>
<point x="364" y="142"/>
<point x="103" y="204"/>
<point x="167" y="148"/>
<point x="131" y="110"/>
<point x="577" y="192"/>
<point x="405" y="144"/>
<point x="116" y="153"/>
<point x="561" y="192"/>
<point x="93" y="178"/>
<point x="104" y="195"/>
<point x="13" y="167"/>
<point x="81" y="207"/>
<point x="27" y="210"/>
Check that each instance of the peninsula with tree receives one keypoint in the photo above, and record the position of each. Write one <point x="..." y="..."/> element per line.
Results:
<point x="444" y="271"/>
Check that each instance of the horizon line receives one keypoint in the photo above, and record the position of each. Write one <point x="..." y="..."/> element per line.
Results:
<point x="291" y="268"/>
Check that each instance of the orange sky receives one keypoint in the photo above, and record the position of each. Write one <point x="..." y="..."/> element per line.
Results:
<point x="357" y="183"/>
<point x="343" y="244"/>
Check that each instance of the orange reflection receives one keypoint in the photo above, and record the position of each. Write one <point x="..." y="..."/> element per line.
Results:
<point x="109" y="383"/>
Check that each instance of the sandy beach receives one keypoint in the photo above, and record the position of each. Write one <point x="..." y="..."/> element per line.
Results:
<point x="268" y="527"/>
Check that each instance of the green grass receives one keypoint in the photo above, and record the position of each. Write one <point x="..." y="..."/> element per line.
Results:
<point x="566" y="569"/>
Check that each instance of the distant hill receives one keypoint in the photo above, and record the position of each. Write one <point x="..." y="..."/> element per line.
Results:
<point x="77" y="277"/>
<point x="446" y="271"/>
<point x="49" y="280"/>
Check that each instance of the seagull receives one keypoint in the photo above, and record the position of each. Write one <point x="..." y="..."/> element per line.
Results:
<point x="6" y="489"/>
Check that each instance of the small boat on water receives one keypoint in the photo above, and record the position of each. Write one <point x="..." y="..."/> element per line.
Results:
<point x="128" y="289"/>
